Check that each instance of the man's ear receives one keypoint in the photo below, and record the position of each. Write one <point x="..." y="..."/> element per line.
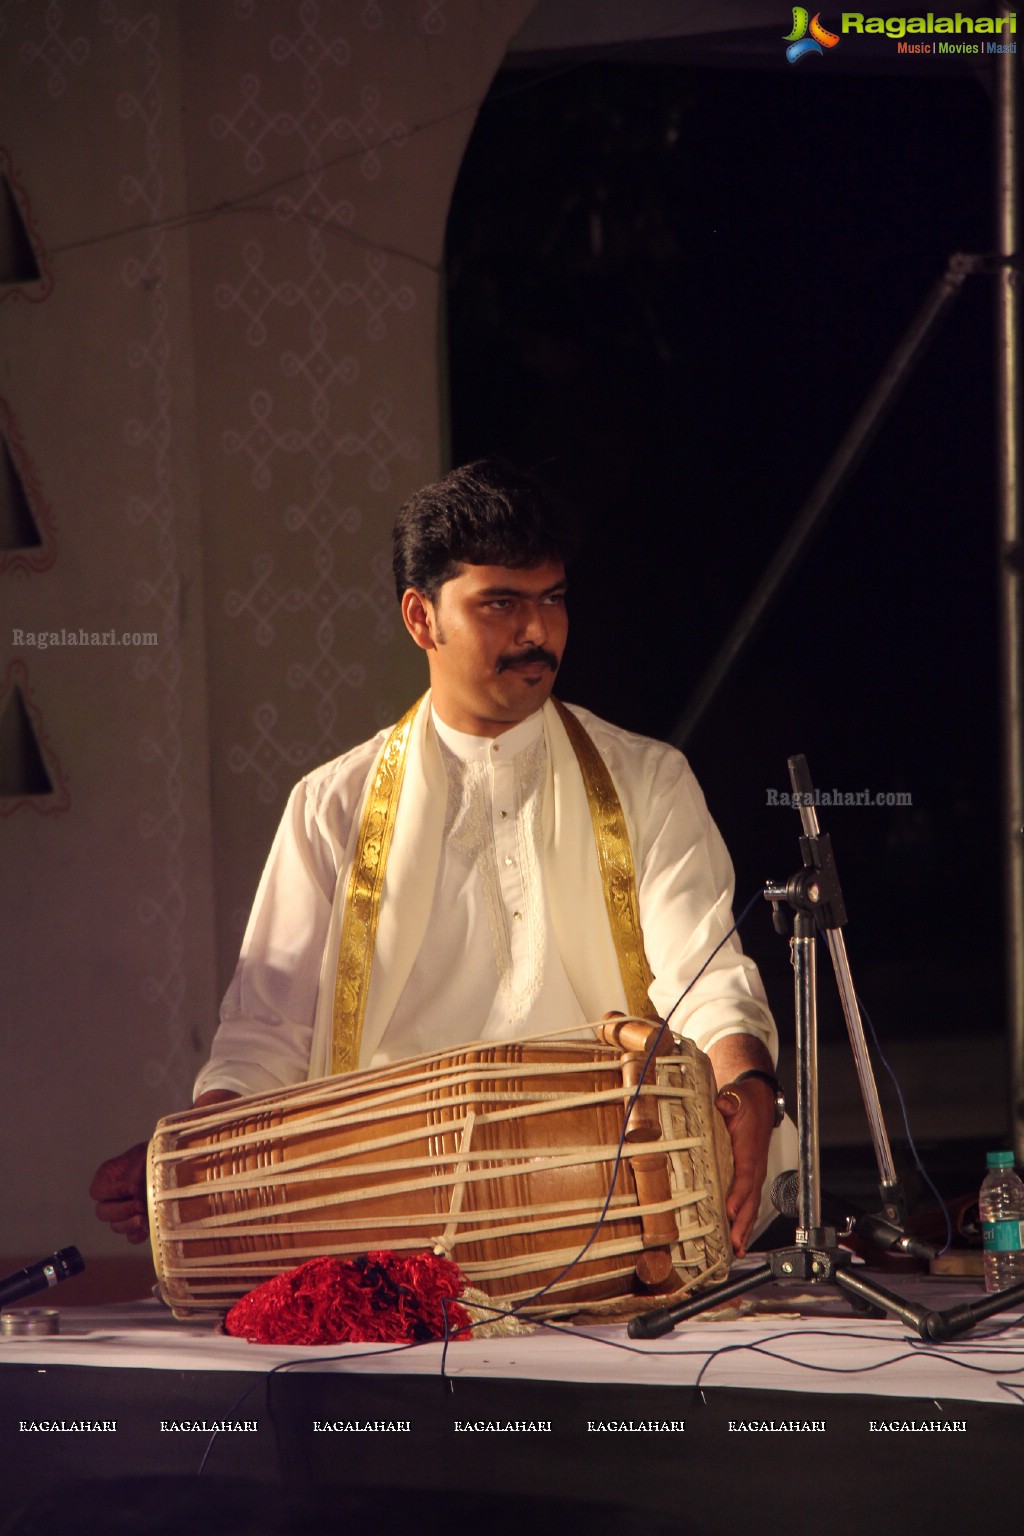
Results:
<point x="419" y="620"/>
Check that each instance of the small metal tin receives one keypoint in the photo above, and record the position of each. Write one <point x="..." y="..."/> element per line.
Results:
<point x="30" y="1323"/>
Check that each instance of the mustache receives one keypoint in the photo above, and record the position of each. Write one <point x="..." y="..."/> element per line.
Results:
<point x="536" y="653"/>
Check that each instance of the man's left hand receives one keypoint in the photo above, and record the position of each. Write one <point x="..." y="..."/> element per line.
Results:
<point x="748" y="1109"/>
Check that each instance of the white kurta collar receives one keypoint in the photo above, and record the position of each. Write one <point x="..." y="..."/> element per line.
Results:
<point x="478" y="749"/>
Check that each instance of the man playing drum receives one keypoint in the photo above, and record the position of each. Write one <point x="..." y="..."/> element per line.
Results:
<point x="495" y="866"/>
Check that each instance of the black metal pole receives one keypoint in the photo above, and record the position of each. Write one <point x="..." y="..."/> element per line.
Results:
<point x="839" y="469"/>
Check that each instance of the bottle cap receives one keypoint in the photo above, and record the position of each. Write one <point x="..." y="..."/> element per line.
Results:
<point x="999" y="1160"/>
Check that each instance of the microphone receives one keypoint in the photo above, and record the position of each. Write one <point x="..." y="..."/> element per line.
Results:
<point x="59" y="1266"/>
<point x="836" y="1213"/>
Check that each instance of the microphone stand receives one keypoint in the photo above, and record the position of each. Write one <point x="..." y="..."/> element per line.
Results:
<point x="815" y="898"/>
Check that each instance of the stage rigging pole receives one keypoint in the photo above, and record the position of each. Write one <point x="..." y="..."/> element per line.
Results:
<point x="1008" y="314"/>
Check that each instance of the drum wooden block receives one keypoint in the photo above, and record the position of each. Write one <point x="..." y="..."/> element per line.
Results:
<point x="499" y="1155"/>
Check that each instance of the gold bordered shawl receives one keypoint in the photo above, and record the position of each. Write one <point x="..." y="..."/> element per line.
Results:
<point x="615" y="861"/>
<point x="366" y="882"/>
<point x="362" y="899"/>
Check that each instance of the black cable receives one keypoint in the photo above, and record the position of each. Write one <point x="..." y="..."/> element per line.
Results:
<point x="246" y="202"/>
<point x="908" y="1351"/>
<point x="906" y="1126"/>
<point x="515" y="1312"/>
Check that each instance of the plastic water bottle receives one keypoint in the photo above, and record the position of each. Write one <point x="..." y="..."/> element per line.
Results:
<point x="1001" y="1207"/>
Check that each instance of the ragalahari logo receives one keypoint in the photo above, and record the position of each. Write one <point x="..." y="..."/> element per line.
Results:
<point x="808" y="35"/>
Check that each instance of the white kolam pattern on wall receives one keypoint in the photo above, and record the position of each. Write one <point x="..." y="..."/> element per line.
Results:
<point x="106" y="930"/>
<point x="302" y="310"/>
<point x="325" y="140"/>
<point x="151" y="433"/>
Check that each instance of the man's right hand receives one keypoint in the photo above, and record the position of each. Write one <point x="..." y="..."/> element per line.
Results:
<point x="119" y="1189"/>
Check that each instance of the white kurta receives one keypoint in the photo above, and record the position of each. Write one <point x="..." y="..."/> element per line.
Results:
<point x="490" y="963"/>
<point x="489" y="966"/>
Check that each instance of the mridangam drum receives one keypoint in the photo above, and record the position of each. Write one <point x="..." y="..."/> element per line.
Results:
<point x="500" y="1156"/>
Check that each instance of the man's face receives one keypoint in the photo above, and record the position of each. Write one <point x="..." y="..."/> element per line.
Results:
<point x="494" y="641"/>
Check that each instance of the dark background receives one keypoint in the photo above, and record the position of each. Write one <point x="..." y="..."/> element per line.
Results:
<point x="670" y="289"/>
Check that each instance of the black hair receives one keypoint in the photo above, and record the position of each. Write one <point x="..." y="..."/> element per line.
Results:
<point x="485" y="513"/>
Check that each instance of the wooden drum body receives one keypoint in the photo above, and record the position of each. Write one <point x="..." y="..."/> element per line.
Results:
<point x="499" y="1155"/>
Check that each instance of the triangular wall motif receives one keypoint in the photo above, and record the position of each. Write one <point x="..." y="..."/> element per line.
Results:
<point x="17" y="258"/>
<point x="22" y="770"/>
<point x="30" y="775"/>
<point x="24" y="272"/>
<point x="27" y="535"/>
<point x="18" y="528"/>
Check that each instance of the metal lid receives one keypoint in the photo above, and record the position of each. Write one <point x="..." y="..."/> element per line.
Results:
<point x="30" y="1322"/>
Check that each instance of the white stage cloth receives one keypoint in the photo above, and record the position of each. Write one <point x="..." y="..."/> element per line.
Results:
<point x="821" y="1349"/>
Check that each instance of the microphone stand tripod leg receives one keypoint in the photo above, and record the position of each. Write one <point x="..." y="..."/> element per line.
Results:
<point x="651" y="1325"/>
<point x="882" y="1301"/>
